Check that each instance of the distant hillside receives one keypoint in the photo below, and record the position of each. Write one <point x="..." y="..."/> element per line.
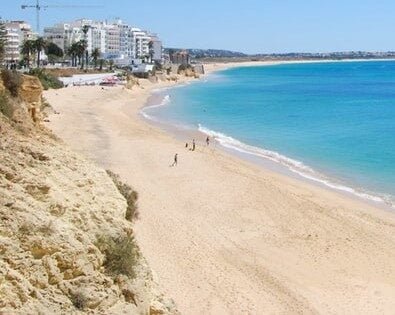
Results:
<point x="209" y="53"/>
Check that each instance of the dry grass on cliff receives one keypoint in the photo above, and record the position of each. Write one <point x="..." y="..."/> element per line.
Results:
<point x="12" y="80"/>
<point x="6" y="106"/>
<point x="129" y="194"/>
<point x="121" y="254"/>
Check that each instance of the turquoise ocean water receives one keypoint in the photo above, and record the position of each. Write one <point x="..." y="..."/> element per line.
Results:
<point x="330" y="122"/>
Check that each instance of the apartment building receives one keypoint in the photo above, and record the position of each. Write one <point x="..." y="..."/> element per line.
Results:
<point x="65" y="34"/>
<point x="140" y="42"/>
<point x="16" y="33"/>
<point x="116" y="40"/>
<point x="156" y="49"/>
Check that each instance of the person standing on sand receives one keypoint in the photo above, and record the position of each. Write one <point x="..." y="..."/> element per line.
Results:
<point x="193" y="145"/>
<point x="208" y="140"/>
<point x="175" y="160"/>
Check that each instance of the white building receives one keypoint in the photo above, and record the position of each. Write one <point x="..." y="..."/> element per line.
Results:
<point x="141" y="42"/>
<point x="16" y="33"/>
<point x="116" y="40"/>
<point x="156" y="49"/>
<point x="65" y="34"/>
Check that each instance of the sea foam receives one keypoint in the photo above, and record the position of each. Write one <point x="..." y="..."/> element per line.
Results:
<point x="294" y="166"/>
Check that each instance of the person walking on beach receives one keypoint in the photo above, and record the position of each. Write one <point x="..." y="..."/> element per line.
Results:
<point x="208" y="140"/>
<point x="175" y="160"/>
<point x="193" y="145"/>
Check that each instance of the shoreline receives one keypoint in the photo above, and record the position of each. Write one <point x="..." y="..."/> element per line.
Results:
<point x="225" y="235"/>
<point x="260" y="156"/>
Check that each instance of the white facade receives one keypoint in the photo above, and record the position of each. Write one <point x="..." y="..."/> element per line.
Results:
<point x="156" y="49"/>
<point x="141" y="41"/>
<point x="65" y="34"/>
<point x="16" y="33"/>
<point x="116" y="40"/>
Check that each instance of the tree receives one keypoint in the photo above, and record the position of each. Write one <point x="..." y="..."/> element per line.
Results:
<point x="81" y="48"/>
<point x="85" y="30"/>
<point x="3" y="40"/>
<point x="28" y="49"/>
<point x="73" y="53"/>
<point x="101" y="61"/>
<point x="53" y="49"/>
<point x="111" y="64"/>
<point x="54" y="52"/>
<point x="40" y="45"/>
<point x="95" y="56"/>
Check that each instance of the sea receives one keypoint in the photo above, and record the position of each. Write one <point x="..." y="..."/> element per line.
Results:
<point x="330" y="122"/>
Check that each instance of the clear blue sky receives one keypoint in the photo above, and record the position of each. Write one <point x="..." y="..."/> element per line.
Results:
<point x="250" y="26"/>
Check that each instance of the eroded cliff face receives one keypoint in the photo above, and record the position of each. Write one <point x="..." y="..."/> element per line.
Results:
<point x="2" y="88"/>
<point x="54" y="205"/>
<point x="31" y="90"/>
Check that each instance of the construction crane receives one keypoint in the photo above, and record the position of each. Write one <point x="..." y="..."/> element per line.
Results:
<point x="39" y="7"/>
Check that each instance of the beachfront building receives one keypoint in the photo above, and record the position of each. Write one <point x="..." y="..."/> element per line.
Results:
<point x="156" y="49"/>
<point x="117" y="41"/>
<point x="180" y="57"/>
<point x="16" y="33"/>
<point x="65" y="34"/>
<point x="140" y="42"/>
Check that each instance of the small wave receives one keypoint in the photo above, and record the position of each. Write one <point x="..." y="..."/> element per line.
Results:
<point x="165" y="101"/>
<point x="293" y="165"/>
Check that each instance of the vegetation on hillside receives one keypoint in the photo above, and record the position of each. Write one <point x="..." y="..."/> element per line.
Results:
<point x="12" y="81"/>
<point x="6" y="107"/>
<point x="129" y="194"/>
<point x="121" y="254"/>
<point x="48" y="81"/>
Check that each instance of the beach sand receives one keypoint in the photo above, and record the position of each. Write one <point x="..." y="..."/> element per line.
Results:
<point x="225" y="236"/>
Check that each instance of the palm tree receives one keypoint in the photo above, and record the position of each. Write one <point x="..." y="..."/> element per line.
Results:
<point x="95" y="56"/>
<point x="85" y="30"/>
<point x="81" y="48"/>
<point x="75" y="52"/>
<point x="71" y="54"/>
<point x="111" y="64"/>
<point x="39" y="45"/>
<point x="28" y="49"/>
<point x="101" y="62"/>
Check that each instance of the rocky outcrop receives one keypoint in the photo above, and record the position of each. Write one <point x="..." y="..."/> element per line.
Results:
<point x="132" y="82"/>
<point x="30" y="93"/>
<point x="54" y="206"/>
<point x="30" y="90"/>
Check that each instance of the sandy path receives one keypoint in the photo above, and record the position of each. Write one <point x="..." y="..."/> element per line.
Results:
<point x="228" y="237"/>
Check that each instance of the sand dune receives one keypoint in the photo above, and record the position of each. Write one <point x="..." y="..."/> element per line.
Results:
<point x="228" y="237"/>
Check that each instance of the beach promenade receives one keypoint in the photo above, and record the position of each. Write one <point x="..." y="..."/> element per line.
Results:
<point x="225" y="236"/>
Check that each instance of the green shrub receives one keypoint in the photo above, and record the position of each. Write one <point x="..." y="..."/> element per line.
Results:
<point x="129" y="194"/>
<point x="12" y="80"/>
<point x="6" y="107"/>
<point x="47" y="80"/>
<point x="121" y="254"/>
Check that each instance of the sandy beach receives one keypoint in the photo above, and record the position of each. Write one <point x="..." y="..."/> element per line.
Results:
<point x="225" y="236"/>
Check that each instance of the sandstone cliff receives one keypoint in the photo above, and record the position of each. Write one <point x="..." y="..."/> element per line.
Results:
<point x="56" y="209"/>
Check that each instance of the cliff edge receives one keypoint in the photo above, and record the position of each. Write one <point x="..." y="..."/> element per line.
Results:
<point x="65" y="243"/>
